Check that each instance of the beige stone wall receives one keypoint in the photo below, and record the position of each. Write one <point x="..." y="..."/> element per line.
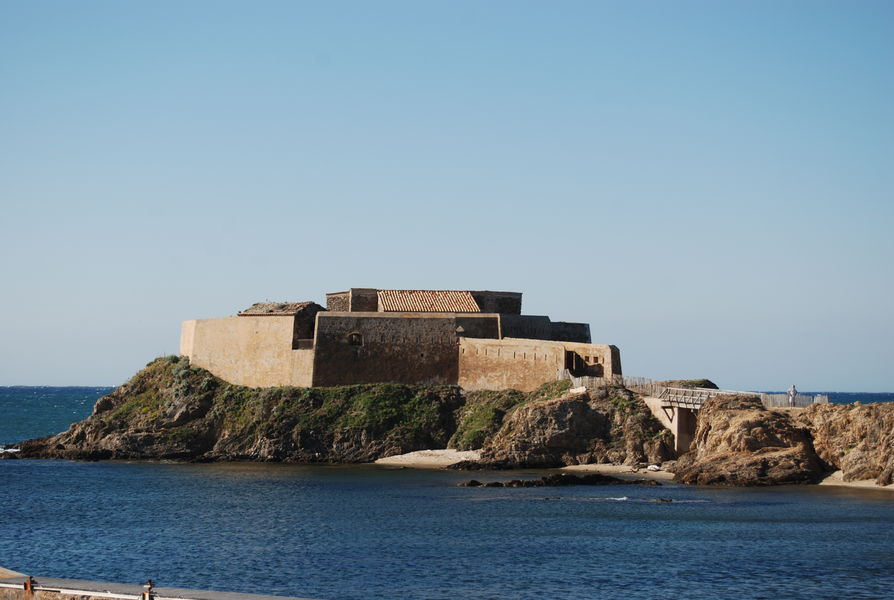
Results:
<point x="250" y="351"/>
<point x="598" y="354"/>
<point x="502" y="364"/>
<point x="187" y="337"/>
<point x="525" y="364"/>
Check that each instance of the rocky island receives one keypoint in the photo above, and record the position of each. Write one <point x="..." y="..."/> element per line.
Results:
<point x="174" y="411"/>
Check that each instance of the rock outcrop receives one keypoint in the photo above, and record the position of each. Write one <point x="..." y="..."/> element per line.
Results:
<point x="609" y="425"/>
<point x="856" y="438"/>
<point x="172" y="411"/>
<point x="740" y="443"/>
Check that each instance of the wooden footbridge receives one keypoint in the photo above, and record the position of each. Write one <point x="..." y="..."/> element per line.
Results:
<point x="676" y="407"/>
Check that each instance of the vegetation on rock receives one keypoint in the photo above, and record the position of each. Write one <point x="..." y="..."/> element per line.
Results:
<point x="170" y="410"/>
<point x="484" y="411"/>
<point x="691" y="383"/>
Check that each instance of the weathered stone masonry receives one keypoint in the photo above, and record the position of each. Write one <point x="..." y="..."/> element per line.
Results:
<point x="406" y="336"/>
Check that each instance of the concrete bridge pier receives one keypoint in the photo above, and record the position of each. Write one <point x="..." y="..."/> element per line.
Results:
<point x="678" y="419"/>
<point x="683" y="428"/>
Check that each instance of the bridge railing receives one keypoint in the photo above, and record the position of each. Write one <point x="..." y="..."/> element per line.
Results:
<point x="694" y="397"/>
<point x="801" y="400"/>
<point x="687" y="397"/>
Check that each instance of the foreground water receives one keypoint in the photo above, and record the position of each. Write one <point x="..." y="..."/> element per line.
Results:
<point x="371" y="532"/>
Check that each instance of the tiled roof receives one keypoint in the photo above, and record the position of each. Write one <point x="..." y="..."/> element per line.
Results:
<point x="427" y="301"/>
<point x="274" y="308"/>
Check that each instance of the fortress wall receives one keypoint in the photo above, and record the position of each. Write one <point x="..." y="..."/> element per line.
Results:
<point x="502" y="364"/>
<point x="533" y="327"/>
<point x="369" y="347"/>
<point x="187" y="337"/>
<point x="304" y="323"/>
<point x="364" y="300"/>
<point x="479" y="326"/>
<point x="529" y="327"/>
<point x="339" y="301"/>
<point x="609" y="357"/>
<point x="570" y="332"/>
<point x="498" y="302"/>
<point x="301" y="368"/>
<point x="251" y="351"/>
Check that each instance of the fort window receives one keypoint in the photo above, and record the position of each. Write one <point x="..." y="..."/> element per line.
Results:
<point x="355" y="339"/>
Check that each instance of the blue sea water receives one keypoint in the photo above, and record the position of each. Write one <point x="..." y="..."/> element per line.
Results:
<point x="29" y="412"/>
<point x="848" y="397"/>
<point x="365" y="532"/>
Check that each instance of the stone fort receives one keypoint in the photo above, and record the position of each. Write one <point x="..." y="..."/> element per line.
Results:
<point x="475" y="339"/>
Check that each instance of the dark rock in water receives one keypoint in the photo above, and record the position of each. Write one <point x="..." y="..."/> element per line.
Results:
<point x="738" y="442"/>
<point x="561" y="479"/>
<point x="476" y="465"/>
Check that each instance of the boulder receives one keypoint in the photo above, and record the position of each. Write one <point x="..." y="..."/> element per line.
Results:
<point x="609" y="425"/>
<point x="856" y="438"/>
<point x="738" y="442"/>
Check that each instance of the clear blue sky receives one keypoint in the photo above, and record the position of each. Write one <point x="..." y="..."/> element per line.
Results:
<point x="708" y="184"/>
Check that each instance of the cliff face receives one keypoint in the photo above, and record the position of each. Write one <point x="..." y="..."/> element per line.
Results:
<point x="609" y="425"/>
<point x="740" y="443"/>
<point x="856" y="438"/>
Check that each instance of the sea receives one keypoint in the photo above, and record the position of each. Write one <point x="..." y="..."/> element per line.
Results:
<point x="374" y="532"/>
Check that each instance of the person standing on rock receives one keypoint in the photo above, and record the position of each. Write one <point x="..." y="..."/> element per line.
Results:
<point x="792" y="393"/>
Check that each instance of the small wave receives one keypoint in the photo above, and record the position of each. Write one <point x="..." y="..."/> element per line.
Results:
<point x="604" y="499"/>
<point x="8" y="450"/>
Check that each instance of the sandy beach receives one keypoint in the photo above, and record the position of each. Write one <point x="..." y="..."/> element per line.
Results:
<point x="621" y="472"/>
<point x="836" y="479"/>
<point x="429" y="459"/>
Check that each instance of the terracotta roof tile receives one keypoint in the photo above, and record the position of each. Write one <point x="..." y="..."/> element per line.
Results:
<point x="427" y="301"/>
<point x="274" y="308"/>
